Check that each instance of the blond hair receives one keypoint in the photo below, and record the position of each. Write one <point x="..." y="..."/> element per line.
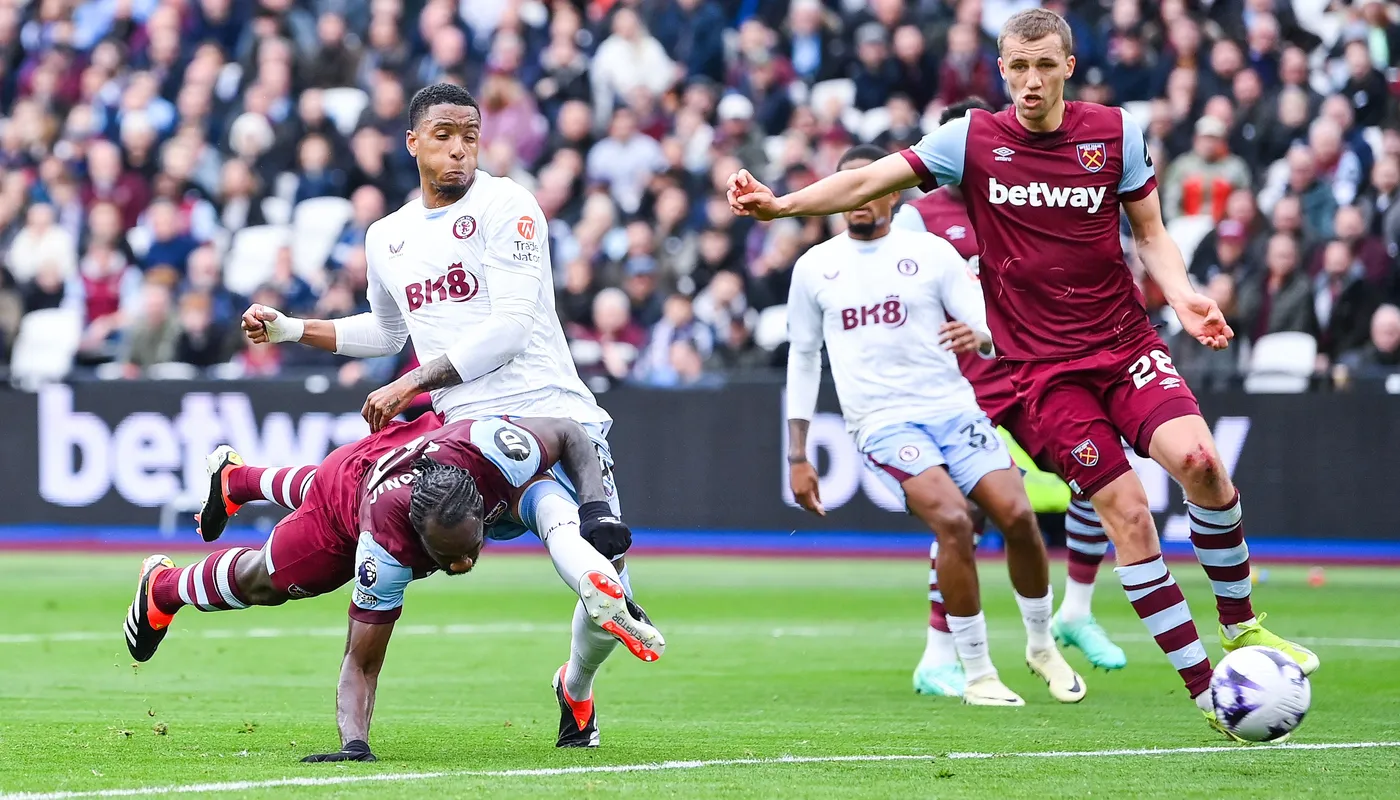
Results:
<point x="1036" y="23"/>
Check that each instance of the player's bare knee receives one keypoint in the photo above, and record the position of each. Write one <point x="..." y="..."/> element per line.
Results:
<point x="1201" y="468"/>
<point x="1130" y="523"/>
<point x="255" y="583"/>
<point x="1018" y="521"/>
<point x="952" y="526"/>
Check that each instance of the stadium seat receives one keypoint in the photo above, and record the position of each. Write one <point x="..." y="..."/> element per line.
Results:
<point x="771" y="330"/>
<point x="1140" y="111"/>
<point x="316" y="225"/>
<point x="277" y="211"/>
<point x="1375" y="137"/>
<point x="45" y="347"/>
<point x="343" y="106"/>
<point x="1281" y="363"/>
<point x="172" y="371"/>
<point x="773" y="148"/>
<point x="873" y="123"/>
<point x="840" y="92"/>
<point x="139" y="240"/>
<point x="252" y="257"/>
<point x="110" y="371"/>
<point x="586" y="352"/>
<point x="285" y="186"/>
<point x="1188" y="232"/>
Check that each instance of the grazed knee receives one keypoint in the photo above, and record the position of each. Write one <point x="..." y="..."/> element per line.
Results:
<point x="1202" y="468"/>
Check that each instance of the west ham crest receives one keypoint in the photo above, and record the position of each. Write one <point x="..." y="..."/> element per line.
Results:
<point x="1092" y="155"/>
<point x="1087" y="453"/>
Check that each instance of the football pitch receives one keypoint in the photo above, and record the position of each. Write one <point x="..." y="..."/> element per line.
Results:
<point x="782" y="678"/>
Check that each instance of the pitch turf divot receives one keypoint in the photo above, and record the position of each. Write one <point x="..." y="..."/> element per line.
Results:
<point x="663" y="766"/>
<point x="521" y="628"/>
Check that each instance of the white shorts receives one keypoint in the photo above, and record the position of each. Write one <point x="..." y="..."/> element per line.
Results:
<point x="966" y="443"/>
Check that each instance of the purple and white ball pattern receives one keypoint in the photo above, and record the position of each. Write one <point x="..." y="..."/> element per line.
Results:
<point x="1260" y="694"/>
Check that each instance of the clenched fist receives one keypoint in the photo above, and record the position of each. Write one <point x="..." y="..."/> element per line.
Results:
<point x="266" y="325"/>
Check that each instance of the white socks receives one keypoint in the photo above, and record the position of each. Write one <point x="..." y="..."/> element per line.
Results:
<point x="1205" y="702"/>
<point x="970" y="641"/>
<point x="572" y="556"/>
<point x="1233" y="631"/>
<point x="1036" y="613"/>
<point x="940" y="650"/>
<point x="1078" y="601"/>
<point x="590" y="647"/>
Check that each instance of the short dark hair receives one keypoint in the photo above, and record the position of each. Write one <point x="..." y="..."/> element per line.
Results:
<point x="862" y="152"/>
<point x="438" y="94"/>
<point x="443" y="493"/>
<point x="959" y="109"/>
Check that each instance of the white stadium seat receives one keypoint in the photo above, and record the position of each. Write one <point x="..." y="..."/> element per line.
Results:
<point x="1374" y="137"/>
<point x="873" y="123"/>
<point x="45" y="347"/>
<point x="1281" y="363"/>
<point x="840" y="90"/>
<point x="771" y="330"/>
<point x="1188" y="232"/>
<point x="1140" y="111"/>
<point x="252" y="257"/>
<point x="316" y="225"/>
<point x="343" y="106"/>
<point x="276" y="210"/>
<point x="172" y="371"/>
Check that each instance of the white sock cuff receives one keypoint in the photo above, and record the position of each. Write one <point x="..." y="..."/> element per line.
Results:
<point x="957" y="624"/>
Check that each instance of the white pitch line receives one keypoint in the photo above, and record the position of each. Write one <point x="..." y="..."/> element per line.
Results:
<point x="518" y="628"/>
<point x="664" y="766"/>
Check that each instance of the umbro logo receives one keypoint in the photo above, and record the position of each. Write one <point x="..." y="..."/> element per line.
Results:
<point x="1003" y="153"/>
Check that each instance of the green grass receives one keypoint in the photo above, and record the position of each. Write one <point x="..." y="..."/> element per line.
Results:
<point x="765" y="659"/>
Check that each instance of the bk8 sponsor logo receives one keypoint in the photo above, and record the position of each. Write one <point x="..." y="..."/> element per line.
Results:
<point x="457" y="285"/>
<point x="889" y="312"/>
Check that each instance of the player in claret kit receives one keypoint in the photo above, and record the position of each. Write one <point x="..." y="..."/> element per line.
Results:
<point x="464" y="270"/>
<point x="881" y="299"/>
<point x="1043" y="182"/>
<point x="944" y="213"/>
<point x="402" y="503"/>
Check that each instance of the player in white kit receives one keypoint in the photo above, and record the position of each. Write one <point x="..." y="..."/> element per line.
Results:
<point x="881" y="300"/>
<point x="465" y="271"/>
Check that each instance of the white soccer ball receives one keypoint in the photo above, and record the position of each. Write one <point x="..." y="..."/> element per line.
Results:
<point x="1259" y="693"/>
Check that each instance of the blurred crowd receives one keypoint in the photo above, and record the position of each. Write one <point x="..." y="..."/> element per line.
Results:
<point x="139" y="137"/>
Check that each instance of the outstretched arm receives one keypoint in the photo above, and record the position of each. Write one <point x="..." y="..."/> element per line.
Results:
<point x="365" y="647"/>
<point x="842" y="191"/>
<point x="936" y="160"/>
<point x="381" y="331"/>
<point x="568" y="444"/>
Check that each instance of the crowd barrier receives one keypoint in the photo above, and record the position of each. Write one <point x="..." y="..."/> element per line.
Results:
<point x="1313" y="466"/>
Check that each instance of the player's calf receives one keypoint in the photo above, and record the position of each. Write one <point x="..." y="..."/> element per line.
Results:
<point x="233" y="483"/>
<point x="935" y="500"/>
<point x="938" y="673"/>
<point x="1003" y="496"/>
<point x="221" y="581"/>
<point x="1074" y="624"/>
<point x="1162" y="607"/>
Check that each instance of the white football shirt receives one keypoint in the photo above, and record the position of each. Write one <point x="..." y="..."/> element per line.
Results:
<point x="878" y="306"/>
<point x="439" y="273"/>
